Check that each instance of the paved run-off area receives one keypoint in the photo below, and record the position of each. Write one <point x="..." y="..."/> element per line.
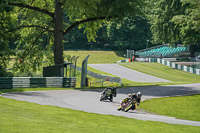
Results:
<point x="126" y="73"/>
<point x="88" y="100"/>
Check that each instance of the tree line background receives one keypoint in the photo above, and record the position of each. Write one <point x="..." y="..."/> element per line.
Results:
<point x="33" y="31"/>
<point x="130" y="33"/>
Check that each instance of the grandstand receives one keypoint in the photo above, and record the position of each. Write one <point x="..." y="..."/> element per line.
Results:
<point x="163" y="51"/>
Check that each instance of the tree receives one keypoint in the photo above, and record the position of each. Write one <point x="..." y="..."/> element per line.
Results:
<point x="161" y="12"/>
<point x="176" y="21"/>
<point x="131" y="33"/>
<point x="5" y="52"/>
<point x="36" y="18"/>
<point x="189" y="23"/>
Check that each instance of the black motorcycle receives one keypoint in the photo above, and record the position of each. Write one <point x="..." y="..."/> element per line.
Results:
<point x="108" y="94"/>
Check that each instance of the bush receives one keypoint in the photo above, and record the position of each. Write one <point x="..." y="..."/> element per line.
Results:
<point x="4" y="73"/>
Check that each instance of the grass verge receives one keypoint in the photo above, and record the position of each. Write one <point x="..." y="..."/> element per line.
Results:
<point x="161" y="71"/>
<point x="96" y="57"/>
<point x="186" y="107"/>
<point x="23" y="117"/>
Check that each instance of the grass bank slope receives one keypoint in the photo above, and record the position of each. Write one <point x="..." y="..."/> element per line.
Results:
<point x="24" y="117"/>
<point x="161" y="71"/>
<point x="186" y="107"/>
<point x="97" y="57"/>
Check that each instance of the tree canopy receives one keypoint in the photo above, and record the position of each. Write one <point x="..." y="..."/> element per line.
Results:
<point x="34" y="20"/>
<point x="39" y="28"/>
<point x="175" y="21"/>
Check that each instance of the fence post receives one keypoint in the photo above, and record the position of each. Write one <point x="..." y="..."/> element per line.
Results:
<point x="84" y="72"/>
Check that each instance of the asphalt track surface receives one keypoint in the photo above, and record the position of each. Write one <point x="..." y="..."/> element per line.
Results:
<point x="88" y="100"/>
<point x="126" y="73"/>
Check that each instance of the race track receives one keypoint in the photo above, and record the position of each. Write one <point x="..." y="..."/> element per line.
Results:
<point x="126" y="73"/>
<point x="88" y="100"/>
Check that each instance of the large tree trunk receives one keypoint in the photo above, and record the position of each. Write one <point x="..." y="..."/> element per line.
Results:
<point x="192" y="50"/>
<point x="58" y="33"/>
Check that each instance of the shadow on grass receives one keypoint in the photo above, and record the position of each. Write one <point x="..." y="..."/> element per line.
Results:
<point x="120" y="53"/>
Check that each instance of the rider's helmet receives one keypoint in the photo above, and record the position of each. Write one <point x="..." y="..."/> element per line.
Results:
<point x="129" y="95"/>
<point x="139" y="94"/>
<point x="115" y="88"/>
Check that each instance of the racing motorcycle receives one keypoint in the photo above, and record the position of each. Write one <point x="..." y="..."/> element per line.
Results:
<point x="127" y="104"/>
<point x="108" y="94"/>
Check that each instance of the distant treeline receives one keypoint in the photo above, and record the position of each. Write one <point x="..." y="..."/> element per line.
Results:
<point x="130" y="33"/>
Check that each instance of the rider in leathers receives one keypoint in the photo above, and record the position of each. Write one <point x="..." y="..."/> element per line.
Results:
<point x="113" y="92"/>
<point x="136" y="96"/>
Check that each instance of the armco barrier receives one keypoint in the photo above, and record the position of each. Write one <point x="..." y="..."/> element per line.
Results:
<point x="27" y="82"/>
<point x="69" y="82"/>
<point x="6" y="82"/>
<point x="172" y="65"/>
<point x="103" y="77"/>
<point x="21" y="82"/>
<point x="126" y="60"/>
<point x="177" y="66"/>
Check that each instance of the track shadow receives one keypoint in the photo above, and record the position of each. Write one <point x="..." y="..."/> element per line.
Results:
<point x="157" y="91"/>
<point x="37" y="94"/>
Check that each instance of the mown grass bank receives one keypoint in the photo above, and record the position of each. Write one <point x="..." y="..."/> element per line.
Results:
<point x="97" y="57"/>
<point x="186" y="107"/>
<point x="162" y="71"/>
<point x="24" y="117"/>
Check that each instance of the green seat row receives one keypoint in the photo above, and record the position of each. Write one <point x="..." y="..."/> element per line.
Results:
<point x="163" y="51"/>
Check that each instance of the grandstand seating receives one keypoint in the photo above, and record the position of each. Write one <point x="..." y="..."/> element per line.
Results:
<point x="162" y="51"/>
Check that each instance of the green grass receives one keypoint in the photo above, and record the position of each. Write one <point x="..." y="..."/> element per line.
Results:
<point x="186" y="107"/>
<point x="96" y="57"/>
<point x="24" y="117"/>
<point x="161" y="71"/>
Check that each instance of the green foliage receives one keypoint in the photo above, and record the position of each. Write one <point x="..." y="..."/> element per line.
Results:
<point x="163" y="29"/>
<point x="131" y="33"/>
<point x="5" y="38"/>
<point x="189" y="22"/>
<point x="175" y="21"/>
<point x="34" y="24"/>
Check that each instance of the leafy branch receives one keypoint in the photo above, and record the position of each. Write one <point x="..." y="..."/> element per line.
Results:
<point x="30" y="26"/>
<point x="32" y="8"/>
<point x="84" y="21"/>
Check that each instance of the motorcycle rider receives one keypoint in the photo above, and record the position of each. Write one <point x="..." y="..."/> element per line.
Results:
<point x="113" y="92"/>
<point x="136" y="96"/>
<point x="133" y="97"/>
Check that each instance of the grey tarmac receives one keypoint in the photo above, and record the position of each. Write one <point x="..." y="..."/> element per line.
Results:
<point x="123" y="72"/>
<point x="88" y="100"/>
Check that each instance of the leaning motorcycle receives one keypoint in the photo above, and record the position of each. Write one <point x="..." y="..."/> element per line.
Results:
<point x="107" y="95"/>
<point x="127" y="104"/>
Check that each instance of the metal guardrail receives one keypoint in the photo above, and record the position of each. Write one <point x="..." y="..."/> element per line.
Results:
<point x="103" y="77"/>
<point x="33" y="82"/>
<point x="176" y="66"/>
